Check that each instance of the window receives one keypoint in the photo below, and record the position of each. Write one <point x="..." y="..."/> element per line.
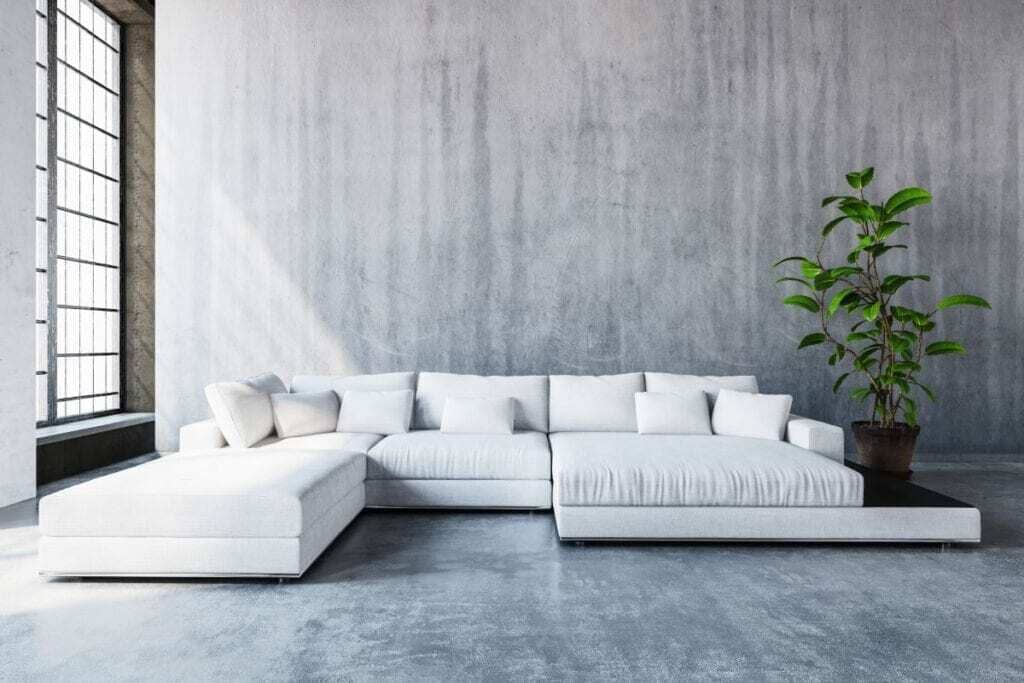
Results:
<point x="78" y="171"/>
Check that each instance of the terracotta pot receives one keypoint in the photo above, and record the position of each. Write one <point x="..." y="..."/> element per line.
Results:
<point x="889" y="449"/>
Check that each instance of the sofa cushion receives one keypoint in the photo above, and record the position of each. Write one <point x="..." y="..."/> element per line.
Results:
<point x="386" y="381"/>
<point x="605" y="403"/>
<point x="683" y="470"/>
<point x="377" y="412"/>
<point x="429" y="454"/>
<point x="217" y="494"/>
<point x="314" y="412"/>
<point x="242" y="409"/>
<point x="330" y="441"/>
<point x="530" y="393"/>
<point x="478" y="415"/>
<point x="666" y="382"/>
<point x="682" y="413"/>
<point x="761" y="416"/>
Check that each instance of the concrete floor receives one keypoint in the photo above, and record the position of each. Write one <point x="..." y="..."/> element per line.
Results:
<point x="414" y="595"/>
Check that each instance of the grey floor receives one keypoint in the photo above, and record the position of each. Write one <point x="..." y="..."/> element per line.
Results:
<point x="412" y="595"/>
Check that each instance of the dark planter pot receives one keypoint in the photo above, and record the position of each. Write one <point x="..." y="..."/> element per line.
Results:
<point x="888" y="449"/>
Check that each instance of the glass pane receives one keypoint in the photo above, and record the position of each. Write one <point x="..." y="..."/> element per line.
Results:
<point x="41" y="336"/>
<point x="41" y="395"/>
<point x="42" y="299"/>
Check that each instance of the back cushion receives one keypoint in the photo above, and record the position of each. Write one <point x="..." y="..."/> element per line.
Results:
<point x="387" y="381"/>
<point x="594" y="403"/>
<point x="529" y="392"/>
<point x="668" y="383"/>
<point x="243" y="410"/>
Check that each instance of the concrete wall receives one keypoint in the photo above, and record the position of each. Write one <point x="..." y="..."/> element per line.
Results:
<point x="17" y="253"/>
<point x="576" y="187"/>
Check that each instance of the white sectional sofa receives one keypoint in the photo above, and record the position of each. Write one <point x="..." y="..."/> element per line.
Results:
<point x="571" y="443"/>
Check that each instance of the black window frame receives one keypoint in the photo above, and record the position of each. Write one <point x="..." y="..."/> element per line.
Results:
<point x="51" y="219"/>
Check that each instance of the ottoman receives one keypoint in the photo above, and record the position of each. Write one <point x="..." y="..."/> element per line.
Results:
<point x="221" y="513"/>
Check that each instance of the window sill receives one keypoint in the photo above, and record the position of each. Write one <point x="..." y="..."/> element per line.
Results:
<point x="96" y="425"/>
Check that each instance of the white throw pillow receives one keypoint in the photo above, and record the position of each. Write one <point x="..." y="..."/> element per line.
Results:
<point x="376" y="412"/>
<point x="242" y="409"/>
<point x="309" y="413"/>
<point x="682" y="413"/>
<point x="762" y="416"/>
<point x="604" y="403"/>
<point x="478" y="415"/>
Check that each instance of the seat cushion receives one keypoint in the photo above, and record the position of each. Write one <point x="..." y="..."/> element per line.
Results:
<point x="327" y="441"/>
<point x="216" y="494"/>
<point x="687" y="470"/>
<point x="430" y="454"/>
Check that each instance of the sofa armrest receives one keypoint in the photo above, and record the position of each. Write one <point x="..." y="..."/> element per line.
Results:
<point x="200" y="436"/>
<point x="820" y="437"/>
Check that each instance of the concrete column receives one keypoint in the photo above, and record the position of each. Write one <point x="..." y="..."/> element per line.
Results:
<point x="137" y="222"/>
<point x="17" y="254"/>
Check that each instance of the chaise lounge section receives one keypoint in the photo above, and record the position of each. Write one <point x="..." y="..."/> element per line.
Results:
<point x="264" y="512"/>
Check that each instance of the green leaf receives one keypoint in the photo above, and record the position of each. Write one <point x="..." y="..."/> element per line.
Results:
<point x="805" y="283"/>
<point x="871" y="312"/>
<point x="892" y="283"/>
<point x="810" y="340"/>
<point x="860" y="394"/>
<point x="909" y="410"/>
<point x="839" y="382"/>
<point x="906" y="366"/>
<point x="855" y="337"/>
<point x="854" y="180"/>
<point x="810" y="269"/>
<point x="831" y="225"/>
<point x="906" y="198"/>
<point x="802" y="301"/>
<point x="824" y="280"/>
<point x="866" y="175"/>
<point x="834" y="197"/>
<point x="879" y="250"/>
<point x="888" y="228"/>
<point x="858" y="211"/>
<point x="867" y="358"/>
<point x="943" y="347"/>
<point x="837" y="300"/>
<point x="927" y="390"/>
<point x="788" y="258"/>
<point x="963" y="300"/>
<point x="846" y="271"/>
<point x="904" y="314"/>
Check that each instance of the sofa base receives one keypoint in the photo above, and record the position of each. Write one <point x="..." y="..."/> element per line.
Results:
<point x="847" y="525"/>
<point x="146" y="556"/>
<point x="526" y="494"/>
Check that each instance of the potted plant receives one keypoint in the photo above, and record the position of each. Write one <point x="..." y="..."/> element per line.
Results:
<point x="863" y="323"/>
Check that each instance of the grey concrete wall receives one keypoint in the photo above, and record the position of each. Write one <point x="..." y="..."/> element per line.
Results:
<point x="577" y="187"/>
<point x="17" y="253"/>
